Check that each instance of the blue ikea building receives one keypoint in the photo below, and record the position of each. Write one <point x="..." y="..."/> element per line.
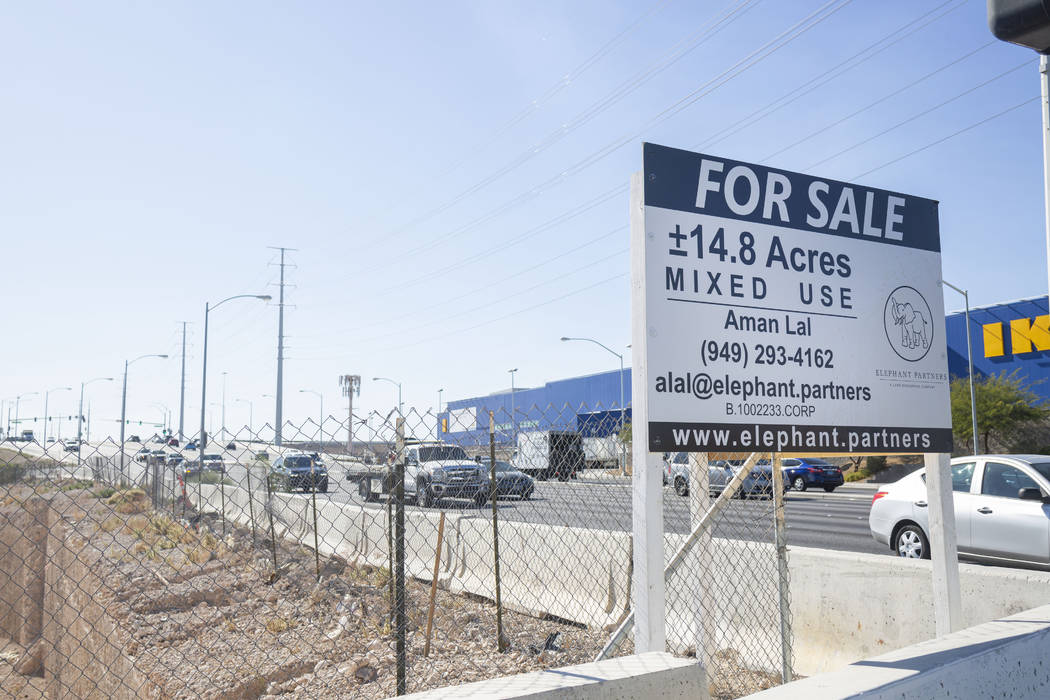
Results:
<point x="1006" y="337"/>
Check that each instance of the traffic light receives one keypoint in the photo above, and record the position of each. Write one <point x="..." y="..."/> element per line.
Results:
<point x="1024" y="22"/>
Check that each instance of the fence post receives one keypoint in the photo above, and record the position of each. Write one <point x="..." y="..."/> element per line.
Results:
<point x="780" y="535"/>
<point x="501" y="643"/>
<point x="699" y="503"/>
<point x="222" y="492"/>
<point x="251" y="497"/>
<point x="273" y="536"/>
<point x="401" y="622"/>
<point x="313" y="504"/>
<point x="434" y="583"/>
<point x="647" y="500"/>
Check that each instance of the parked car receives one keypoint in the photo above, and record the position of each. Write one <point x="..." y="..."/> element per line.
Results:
<point x="805" y="472"/>
<point x="263" y="456"/>
<point x="510" y="481"/>
<point x="71" y="446"/>
<point x="1002" y="510"/>
<point x="192" y="445"/>
<point x="758" y="482"/>
<point x="231" y="446"/>
<point x="298" y="471"/>
<point x="173" y="442"/>
<point x="174" y="460"/>
<point x="134" y="438"/>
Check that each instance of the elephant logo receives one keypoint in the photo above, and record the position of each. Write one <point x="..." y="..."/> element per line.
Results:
<point x="909" y="324"/>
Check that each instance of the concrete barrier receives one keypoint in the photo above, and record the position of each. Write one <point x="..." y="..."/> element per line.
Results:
<point x="847" y="606"/>
<point x="844" y="606"/>
<point x="652" y="675"/>
<point x="1000" y="659"/>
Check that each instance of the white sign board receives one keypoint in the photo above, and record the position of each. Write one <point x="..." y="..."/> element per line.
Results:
<point x="787" y="312"/>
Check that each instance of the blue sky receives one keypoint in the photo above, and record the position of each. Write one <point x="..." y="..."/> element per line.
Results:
<point x="453" y="177"/>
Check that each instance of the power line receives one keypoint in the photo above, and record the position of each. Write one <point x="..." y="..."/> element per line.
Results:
<point x="770" y="47"/>
<point x="547" y="96"/>
<point x="879" y="101"/>
<point x="946" y="138"/>
<point x="625" y="88"/>
<point x="841" y="68"/>
<point x="919" y="114"/>
<point x="561" y="218"/>
<point x="447" y="302"/>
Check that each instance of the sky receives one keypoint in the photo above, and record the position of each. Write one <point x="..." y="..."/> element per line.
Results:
<point x="451" y="176"/>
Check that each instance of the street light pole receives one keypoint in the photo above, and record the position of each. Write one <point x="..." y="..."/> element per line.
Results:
<point x="46" y="393"/>
<point x="251" y="418"/>
<point x="320" y="426"/>
<point x="969" y="357"/>
<point x="400" y="405"/>
<point x="222" y="422"/>
<point x="204" y="367"/>
<point x="513" y="419"/>
<point x="124" y="407"/>
<point x="80" y="411"/>
<point x="18" y="399"/>
<point x="437" y="418"/>
<point x="623" y="447"/>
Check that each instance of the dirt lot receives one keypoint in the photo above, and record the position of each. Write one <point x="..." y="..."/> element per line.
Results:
<point x="202" y="615"/>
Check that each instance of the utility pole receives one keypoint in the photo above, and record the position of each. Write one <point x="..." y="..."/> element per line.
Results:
<point x="351" y="384"/>
<point x="182" y="388"/>
<point x="279" y="399"/>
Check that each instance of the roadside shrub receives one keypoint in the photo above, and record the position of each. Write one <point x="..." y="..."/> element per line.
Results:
<point x="207" y="477"/>
<point x="10" y="473"/>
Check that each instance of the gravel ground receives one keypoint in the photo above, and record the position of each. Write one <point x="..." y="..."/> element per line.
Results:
<point x="204" y="616"/>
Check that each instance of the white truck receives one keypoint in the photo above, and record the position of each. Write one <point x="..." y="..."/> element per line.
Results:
<point x="545" y="454"/>
<point x="433" y="470"/>
<point x="602" y="452"/>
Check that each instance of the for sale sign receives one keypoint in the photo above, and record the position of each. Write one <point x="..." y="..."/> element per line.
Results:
<point x="789" y="312"/>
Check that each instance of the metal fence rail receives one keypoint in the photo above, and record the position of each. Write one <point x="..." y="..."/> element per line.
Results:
<point x="432" y="555"/>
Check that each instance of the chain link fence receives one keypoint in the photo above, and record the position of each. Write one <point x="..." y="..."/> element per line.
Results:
<point x="409" y="553"/>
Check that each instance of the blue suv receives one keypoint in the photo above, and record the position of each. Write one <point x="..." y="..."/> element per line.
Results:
<point x="803" y="472"/>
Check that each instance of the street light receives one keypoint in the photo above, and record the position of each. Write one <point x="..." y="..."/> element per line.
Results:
<point x="80" y="410"/>
<point x="513" y="421"/>
<point x="165" y="413"/>
<point x="204" y="370"/>
<point x="222" y="422"/>
<point x="623" y="448"/>
<point x="400" y="405"/>
<point x="320" y="426"/>
<point x="18" y="398"/>
<point x="251" y="418"/>
<point x="61" y="388"/>
<point x="969" y="357"/>
<point x="124" y="405"/>
<point x="437" y="417"/>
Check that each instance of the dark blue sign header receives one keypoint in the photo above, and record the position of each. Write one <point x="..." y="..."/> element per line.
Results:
<point x="703" y="184"/>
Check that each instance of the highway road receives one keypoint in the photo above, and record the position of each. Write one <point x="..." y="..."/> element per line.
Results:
<point x="829" y="521"/>
<point x="836" y="521"/>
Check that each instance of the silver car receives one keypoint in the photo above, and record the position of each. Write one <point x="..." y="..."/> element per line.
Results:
<point x="1002" y="510"/>
<point x="719" y="473"/>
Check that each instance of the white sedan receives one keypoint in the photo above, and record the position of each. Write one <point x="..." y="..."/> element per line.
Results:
<point x="1002" y="510"/>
